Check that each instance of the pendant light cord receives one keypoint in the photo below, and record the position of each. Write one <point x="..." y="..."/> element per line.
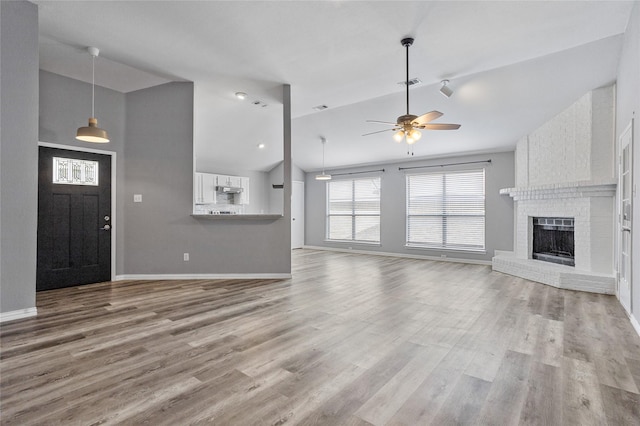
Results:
<point x="323" y="142"/>
<point x="93" y="85"/>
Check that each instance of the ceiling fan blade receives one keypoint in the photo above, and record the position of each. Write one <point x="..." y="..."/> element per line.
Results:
<point x="430" y="116"/>
<point x="381" y="122"/>
<point x="441" y="126"/>
<point x="380" y="131"/>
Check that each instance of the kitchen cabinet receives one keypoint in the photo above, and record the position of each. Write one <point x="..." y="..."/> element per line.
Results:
<point x="232" y="181"/>
<point x="204" y="186"/>
<point x="243" y="197"/>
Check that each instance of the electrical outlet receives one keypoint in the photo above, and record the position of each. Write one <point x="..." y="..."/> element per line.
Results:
<point x="137" y="198"/>
<point x="443" y="256"/>
<point x="185" y="257"/>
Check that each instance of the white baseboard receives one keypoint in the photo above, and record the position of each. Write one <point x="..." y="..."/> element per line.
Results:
<point x="266" y="276"/>
<point x="19" y="314"/>
<point x="402" y="255"/>
<point x="635" y="324"/>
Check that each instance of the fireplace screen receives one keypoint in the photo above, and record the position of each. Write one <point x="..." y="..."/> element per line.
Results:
<point x="553" y="240"/>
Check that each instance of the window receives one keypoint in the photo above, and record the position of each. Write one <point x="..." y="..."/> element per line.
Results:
<point x="446" y="210"/>
<point x="353" y="210"/>
<point x="70" y="171"/>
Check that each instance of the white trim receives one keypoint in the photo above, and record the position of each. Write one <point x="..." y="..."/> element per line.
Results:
<point x="265" y="276"/>
<point x="114" y="168"/>
<point x="635" y="324"/>
<point x="18" y="314"/>
<point x="562" y="191"/>
<point x="402" y="255"/>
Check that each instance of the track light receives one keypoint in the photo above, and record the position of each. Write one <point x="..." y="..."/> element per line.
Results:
<point x="445" y="90"/>
<point x="323" y="176"/>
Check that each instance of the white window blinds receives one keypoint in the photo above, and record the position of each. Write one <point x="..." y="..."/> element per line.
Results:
<point x="353" y="210"/>
<point x="445" y="210"/>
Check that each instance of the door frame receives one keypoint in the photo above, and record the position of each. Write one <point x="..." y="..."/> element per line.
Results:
<point x="300" y="184"/>
<point x="619" y="226"/>
<point x="114" y="208"/>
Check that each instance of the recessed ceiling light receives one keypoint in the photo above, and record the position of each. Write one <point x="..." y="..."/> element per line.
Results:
<point x="320" y="107"/>
<point x="241" y="95"/>
<point x="261" y="145"/>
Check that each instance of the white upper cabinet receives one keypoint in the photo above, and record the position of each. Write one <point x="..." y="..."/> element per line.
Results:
<point x="204" y="188"/>
<point x="233" y="181"/>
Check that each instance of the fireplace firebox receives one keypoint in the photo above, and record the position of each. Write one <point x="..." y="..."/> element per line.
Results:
<point x="553" y="240"/>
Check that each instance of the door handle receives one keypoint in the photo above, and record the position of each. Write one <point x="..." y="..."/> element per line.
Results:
<point x="106" y="227"/>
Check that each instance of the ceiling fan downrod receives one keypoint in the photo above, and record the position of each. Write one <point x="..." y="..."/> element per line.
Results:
<point x="407" y="42"/>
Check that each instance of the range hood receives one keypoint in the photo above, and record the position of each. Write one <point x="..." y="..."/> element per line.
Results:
<point x="229" y="189"/>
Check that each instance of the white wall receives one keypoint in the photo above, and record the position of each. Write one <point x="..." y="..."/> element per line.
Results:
<point x="628" y="108"/>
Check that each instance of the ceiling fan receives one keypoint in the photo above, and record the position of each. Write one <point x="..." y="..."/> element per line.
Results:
<point x="407" y="126"/>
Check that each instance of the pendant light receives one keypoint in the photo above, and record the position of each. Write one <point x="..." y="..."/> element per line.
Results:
<point x="323" y="176"/>
<point x="92" y="133"/>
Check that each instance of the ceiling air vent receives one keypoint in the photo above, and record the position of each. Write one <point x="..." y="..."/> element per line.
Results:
<point x="320" y="107"/>
<point x="411" y="82"/>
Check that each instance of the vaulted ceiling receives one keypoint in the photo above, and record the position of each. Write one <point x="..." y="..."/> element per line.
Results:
<point x="512" y="66"/>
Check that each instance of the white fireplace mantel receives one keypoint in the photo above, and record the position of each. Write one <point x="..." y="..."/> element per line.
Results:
<point x="583" y="189"/>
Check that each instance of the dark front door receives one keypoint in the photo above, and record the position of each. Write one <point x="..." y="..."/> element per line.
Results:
<point x="74" y="218"/>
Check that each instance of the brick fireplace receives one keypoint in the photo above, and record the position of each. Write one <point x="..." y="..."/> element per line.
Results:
<point x="565" y="170"/>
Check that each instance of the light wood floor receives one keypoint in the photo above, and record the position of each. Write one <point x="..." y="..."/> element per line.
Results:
<point x="350" y="340"/>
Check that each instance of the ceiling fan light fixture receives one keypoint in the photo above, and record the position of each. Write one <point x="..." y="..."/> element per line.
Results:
<point x="406" y="126"/>
<point x="445" y="89"/>
<point x="92" y="133"/>
<point x="415" y="135"/>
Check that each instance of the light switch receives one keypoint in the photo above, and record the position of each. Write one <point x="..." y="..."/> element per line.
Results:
<point x="137" y="198"/>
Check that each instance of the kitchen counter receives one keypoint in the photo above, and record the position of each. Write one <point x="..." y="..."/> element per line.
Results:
<point x="238" y="216"/>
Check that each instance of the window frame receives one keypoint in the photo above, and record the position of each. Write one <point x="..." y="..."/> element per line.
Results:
<point x="444" y="245"/>
<point x="353" y="215"/>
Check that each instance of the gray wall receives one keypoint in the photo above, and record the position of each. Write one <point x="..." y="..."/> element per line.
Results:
<point x="159" y="165"/>
<point x="65" y="105"/>
<point x="499" y="209"/>
<point x="628" y="107"/>
<point x="18" y="154"/>
<point x="276" y="177"/>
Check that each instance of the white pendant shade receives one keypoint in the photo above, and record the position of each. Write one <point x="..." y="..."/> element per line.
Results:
<point x="92" y="133"/>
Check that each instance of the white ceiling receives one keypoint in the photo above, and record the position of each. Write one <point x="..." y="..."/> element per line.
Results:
<point x="512" y="64"/>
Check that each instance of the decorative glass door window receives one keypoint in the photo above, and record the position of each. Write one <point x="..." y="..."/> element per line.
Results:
<point x="71" y="171"/>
